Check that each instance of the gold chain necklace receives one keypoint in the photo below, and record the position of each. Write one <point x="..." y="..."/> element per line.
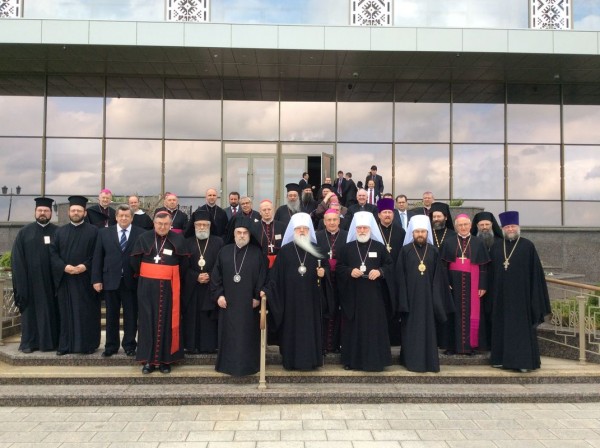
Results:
<point x="462" y="257"/>
<point x="422" y="268"/>
<point x="439" y="243"/>
<point x="506" y="262"/>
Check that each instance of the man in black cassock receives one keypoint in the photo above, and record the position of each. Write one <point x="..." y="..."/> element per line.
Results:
<point x="268" y="232"/>
<point x="393" y="237"/>
<point x="519" y="297"/>
<point x="486" y="228"/>
<point x="293" y="205"/>
<point x="102" y="214"/>
<point x="236" y="281"/>
<point x="140" y="217"/>
<point x="179" y="219"/>
<point x="78" y="304"/>
<point x="198" y="308"/>
<point x="33" y="286"/>
<point x="113" y="277"/>
<point x="159" y="258"/>
<point x="331" y="240"/>
<point x="365" y="275"/>
<point x="299" y="295"/>
<point x="423" y="298"/>
<point x="218" y="217"/>
<point x="361" y="206"/>
<point x="441" y="225"/>
<point x="466" y="259"/>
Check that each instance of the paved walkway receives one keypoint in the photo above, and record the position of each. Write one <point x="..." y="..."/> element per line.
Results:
<point x="490" y="425"/>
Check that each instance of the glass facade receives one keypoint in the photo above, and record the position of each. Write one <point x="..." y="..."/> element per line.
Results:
<point x="531" y="147"/>
<point x="505" y="14"/>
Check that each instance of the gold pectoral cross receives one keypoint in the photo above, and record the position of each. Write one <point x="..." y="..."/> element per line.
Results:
<point x="506" y="263"/>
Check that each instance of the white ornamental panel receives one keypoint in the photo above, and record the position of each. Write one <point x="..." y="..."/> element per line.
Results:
<point x="187" y="10"/>
<point x="550" y="14"/>
<point x="11" y="9"/>
<point x="371" y="12"/>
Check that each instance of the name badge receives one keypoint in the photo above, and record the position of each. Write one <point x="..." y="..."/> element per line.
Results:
<point x="372" y="254"/>
<point x="167" y="252"/>
<point x="46" y="240"/>
<point x="278" y="236"/>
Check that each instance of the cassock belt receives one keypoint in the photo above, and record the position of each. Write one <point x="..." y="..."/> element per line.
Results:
<point x="177" y="230"/>
<point x="166" y="272"/>
<point x="472" y="269"/>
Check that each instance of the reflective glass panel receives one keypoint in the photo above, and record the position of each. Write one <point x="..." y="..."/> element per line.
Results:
<point x="134" y="117"/>
<point x="533" y="123"/>
<point x="74" y="117"/>
<point x="293" y="167"/>
<point x="307" y="121"/>
<point x="73" y="166"/>
<point x="495" y="207"/>
<point x="581" y="124"/>
<point x="237" y="174"/>
<point x="186" y="119"/>
<point x="422" y="122"/>
<point x="582" y="172"/>
<point x="250" y="120"/>
<point x="133" y="166"/>
<point x="21" y="115"/>
<point x="586" y="14"/>
<point x="192" y="166"/>
<point x="543" y="213"/>
<point x="330" y="12"/>
<point x="358" y="158"/>
<point x="307" y="149"/>
<point x="16" y="208"/>
<point x="361" y="122"/>
<point x="251" y="148"/>
<point x="533" y="172"/>
<point x="421" y="168"/>
<point x="478" y="171"/>
<point x="582" y="214"/>
<point x="481" y="123"/>
<point x="263" y="178"/>
<point x="21" y="164"/>
<point x="152" y="10"/>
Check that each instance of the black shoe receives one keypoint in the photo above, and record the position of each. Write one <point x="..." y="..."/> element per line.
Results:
<point x="192" y="351"/>
<point x="89" y="352"/>
<point x="61" y="352"/>
<point x="107" y="354"/>
<point x="164" y="368"/>
<point x="148" y="368"/>
<point x="130" y="353"/>
<point x="28" y="350"/>
<point x="346" y="367"/>
<point x="449" y="352"/>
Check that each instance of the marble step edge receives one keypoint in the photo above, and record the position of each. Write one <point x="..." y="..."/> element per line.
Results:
<point x="184" y="395"/>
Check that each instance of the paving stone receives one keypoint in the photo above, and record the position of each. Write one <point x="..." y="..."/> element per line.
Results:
<point x="236" y="425"/>
<point x="231" y="445"/>
<point x="498" y="424"/>
<point x="411" y="424"/>
<point x="191" y="426"/>
<point x="10" y="417"/>
<point x="429" y="434"/>
<point x="102" y="426"/>
<point x="69" y="436"/>
<point x="85" y="445"/>
<point x="46" y="417"/>
<point x="133" y="417"/>
<point x="182" y="445"/>
<point x="454" y="424"/>
<point x="123" y="436"/>
<point x="583" y="414"/>
<point x="379" y="444"/>
<point x="466" y="414"/>
<point x="384" y="414"/>
<point x="328" y="444"/>
<point x="349" y="434"/>
<point x="395" y="434"/>
<point x="368" y="424"/>
<point x="57" y="426"/>
<point x="147" y="426"/>
<point x="425" y="415"/>
<point x="531" y="434"/>
<point x="575" y="434"/>
<point x="565" y="443"/>
<point x="472" y="444"/>
<point x="517" y="444"/>
<point x="424" y="444"/>
<point x="163" y="436"/>
<point x="485" y="434"/>
<point x="245" y="436"/>
<point x="591" y="423"/>
<point x="278" y="425"/>
<point x="23" y="437"/>
<point x="543" y="423"/>
<point x="280" y="444"/>
<point x="210" y="436"/>
<point x="343" y="414"/>
<point x="306" y="434"/>
<point x="34" y="445"/>
<point x="218" y="415"/>
<point x="301" y="414"/>
<point x="260" y="415"/>
<point x="324" y="424"/>
<point x="90" y="417"/>
<point x="134" y="445"/>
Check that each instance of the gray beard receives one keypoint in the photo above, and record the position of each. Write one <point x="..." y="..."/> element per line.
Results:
<point x="304" y="243"/>
<point x="294" y="206"/>
<point x="306" y="197"/>
<point x="487" y="237"/>
<point x="241" y="243"/>
<point x="438" y="225"/>
<point x="202" y="234"/>
<point x="517" y="235"/>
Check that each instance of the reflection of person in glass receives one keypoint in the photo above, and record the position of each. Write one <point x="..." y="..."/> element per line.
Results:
<point x="32" y="281"/>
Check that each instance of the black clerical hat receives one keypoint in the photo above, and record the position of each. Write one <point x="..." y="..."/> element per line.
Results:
<point x="293" y="187"/>
<point x="200" y="215"/>
<point x="43" y="202"/>
<point x="78" y="200"/>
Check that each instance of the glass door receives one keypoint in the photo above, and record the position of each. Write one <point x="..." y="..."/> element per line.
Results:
<point x="250" y="175"/>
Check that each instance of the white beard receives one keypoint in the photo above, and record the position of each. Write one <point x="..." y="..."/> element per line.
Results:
<point x="304" y="243"/>
<point x="363" y="238"/>
<point x="202" y="234"/>
<point x="241" y="242"/>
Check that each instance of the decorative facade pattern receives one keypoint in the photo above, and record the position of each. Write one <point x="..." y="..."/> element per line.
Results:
<point x="371" y="12"/>
<point x="187" y="10"/>
<point x="550" y="14"/>
<point x="11" y="9"/>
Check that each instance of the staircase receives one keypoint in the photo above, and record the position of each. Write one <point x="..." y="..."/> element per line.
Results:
<point x="44" y="379"/>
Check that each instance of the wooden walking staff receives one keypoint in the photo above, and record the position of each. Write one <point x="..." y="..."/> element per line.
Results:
<point x="262" y="381"/>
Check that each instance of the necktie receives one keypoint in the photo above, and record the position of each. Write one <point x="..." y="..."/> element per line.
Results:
<point x="339" y="187"/>
<point x="123" y="240"/>
<point x="234" y="210"/>
<point x="403" y="219"/>
<point x="370" y="196"/>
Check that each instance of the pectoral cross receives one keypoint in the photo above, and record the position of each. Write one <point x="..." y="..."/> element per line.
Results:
<point x="506" y="263"/>
<point x="388" y="247"/>
<point x="271" y="247"/>
<point x="462" y="259"/>
<point x="330" y="253"/>
<point x="157" y="258"/>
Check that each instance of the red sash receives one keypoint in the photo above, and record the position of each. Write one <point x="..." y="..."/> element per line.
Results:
<point x="166" y="272"/>
<point x="271" y="260"/>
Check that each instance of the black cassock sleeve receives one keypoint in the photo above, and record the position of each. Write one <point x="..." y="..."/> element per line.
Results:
<point x="540" y="301"/>
<point x="19" y="274"/>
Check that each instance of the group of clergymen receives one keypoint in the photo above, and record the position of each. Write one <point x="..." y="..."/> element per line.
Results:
<point x="374" y="276"/>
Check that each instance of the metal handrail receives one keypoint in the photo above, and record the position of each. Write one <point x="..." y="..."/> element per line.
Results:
<point x="573" y="284"/>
